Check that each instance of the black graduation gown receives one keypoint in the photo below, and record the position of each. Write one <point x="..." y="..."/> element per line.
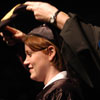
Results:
<point x="83" y="40"/>
<point x="62" y="89"/>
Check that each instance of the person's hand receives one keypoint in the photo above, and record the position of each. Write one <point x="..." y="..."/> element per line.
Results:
<point x="42" y="10"/>
<point x="14" y="35"/>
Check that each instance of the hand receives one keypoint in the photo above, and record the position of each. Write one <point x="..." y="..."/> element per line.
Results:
<point x="42" y="11"/>
<point x="14" y="36"/>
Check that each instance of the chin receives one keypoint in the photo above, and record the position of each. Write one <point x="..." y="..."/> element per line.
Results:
<point x="32" y="77"/>
<point x="35" y="78"/>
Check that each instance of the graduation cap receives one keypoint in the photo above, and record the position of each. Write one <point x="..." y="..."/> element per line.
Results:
<point x="19" y="18"/>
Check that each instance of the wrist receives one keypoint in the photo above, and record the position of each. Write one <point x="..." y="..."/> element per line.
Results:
<point x="61" y="19"/>
<point x="52" y="19"/>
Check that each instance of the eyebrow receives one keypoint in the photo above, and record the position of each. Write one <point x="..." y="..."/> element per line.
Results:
<point x="28" y="51"/>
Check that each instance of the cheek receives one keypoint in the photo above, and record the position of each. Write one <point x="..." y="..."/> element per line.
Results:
<point x="39" y="60"/>
<point x="39" y="64"/>
<point x="37" y="73"/>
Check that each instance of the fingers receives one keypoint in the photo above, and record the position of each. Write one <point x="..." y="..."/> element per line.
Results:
<point x="1" y="34"/>
<point x="31" y="3"/>
<point x="12" y="30"/>
<point x="16" y="34"/>
<point x="30" y="8"/>
<point x="8" y="40"/>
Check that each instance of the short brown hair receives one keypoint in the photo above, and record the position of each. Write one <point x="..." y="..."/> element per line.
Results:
<point x="37" y="43"/>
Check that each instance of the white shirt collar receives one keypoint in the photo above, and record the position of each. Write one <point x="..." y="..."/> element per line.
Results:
<point x="61" y="75"/>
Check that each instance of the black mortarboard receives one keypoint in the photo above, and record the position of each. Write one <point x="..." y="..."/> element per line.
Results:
<point x="19" y="18"/>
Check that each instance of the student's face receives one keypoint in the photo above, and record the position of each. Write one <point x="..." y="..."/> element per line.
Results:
<point x="38" y="64"/>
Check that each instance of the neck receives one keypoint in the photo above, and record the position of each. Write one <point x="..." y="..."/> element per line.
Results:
<point x="50" y="74"/>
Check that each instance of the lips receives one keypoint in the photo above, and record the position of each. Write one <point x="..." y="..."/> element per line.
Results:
<point x="30" y="68"/>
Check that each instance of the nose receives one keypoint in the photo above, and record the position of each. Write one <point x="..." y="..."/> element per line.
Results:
<point x="26" y="61"/>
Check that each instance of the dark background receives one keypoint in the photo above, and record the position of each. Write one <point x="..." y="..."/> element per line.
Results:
<point x="15" y="83"/>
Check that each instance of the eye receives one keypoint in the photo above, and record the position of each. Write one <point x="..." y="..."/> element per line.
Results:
<point x="29" y="54"/>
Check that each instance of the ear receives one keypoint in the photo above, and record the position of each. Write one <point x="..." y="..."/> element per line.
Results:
<point x="51" y="52"/>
